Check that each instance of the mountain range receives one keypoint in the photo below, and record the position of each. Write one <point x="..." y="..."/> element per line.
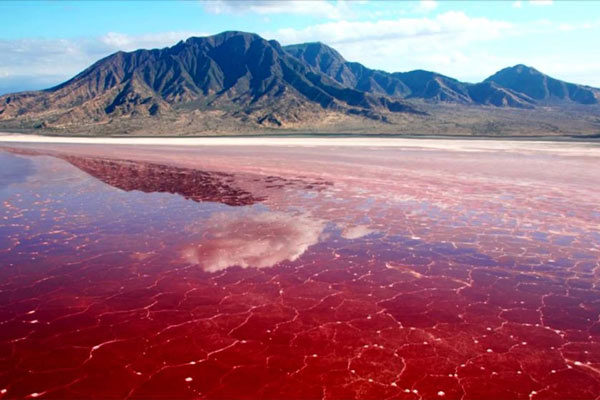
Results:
<point x="237" y="82"/>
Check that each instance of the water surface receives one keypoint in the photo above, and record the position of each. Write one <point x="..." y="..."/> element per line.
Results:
<point x="299" y="272"/>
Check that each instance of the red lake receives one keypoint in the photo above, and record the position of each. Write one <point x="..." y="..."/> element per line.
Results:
<point x="373" y="270"/>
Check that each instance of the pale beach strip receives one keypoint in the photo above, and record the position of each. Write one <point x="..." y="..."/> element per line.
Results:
<point x="455" y="144"/>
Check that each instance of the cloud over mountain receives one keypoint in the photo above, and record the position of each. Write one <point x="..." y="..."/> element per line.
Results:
<point x="321" y="8"/>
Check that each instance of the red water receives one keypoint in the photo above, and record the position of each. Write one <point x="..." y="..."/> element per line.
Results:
<point x="308" y="273"/>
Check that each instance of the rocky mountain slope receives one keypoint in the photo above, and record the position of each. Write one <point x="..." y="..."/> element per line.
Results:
<point x="239" y="72"/>
<point x="519" y="86"/>
<point x="542" y="88"/>
<point x="240" y="82"/>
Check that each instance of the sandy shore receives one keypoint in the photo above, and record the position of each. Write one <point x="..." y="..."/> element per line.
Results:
<point x="571" y="148"/>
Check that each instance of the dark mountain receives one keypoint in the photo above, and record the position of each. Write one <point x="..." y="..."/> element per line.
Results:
<point x="325" y="60"/>
<point x="542" y="88"/>
<point x="240" y="82"/>
<point x="433" y="86"/>
<point x="489" y="93"/>
<point x="418" y="84"/>
<point x="241" y="73"/>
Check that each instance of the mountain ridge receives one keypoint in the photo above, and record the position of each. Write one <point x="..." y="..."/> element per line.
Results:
<point x="429" y="85"/>
<point x="196" y="68"/>
<point x="248" y="82"/>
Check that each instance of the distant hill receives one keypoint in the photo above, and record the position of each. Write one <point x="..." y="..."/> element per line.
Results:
<point x="240" y="82"/>
<point x="418" y="84"/>
<point x="542" y="88"/>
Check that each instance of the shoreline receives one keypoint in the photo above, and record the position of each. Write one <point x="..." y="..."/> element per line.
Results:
<point x="308" y="135"/>
<point x="589" y="148"/>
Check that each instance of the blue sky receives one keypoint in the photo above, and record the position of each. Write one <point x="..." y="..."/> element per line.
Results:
<point x="43" y="43"/>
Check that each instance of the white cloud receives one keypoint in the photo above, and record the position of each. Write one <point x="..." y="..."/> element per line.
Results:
<point x="403" y="44"/>
<point x="541" y="2"/>
<point x="321" y="8"/>
<point x="566" y="27"/>
<point x="426" y="6"/>
<point x="251" y="239"/>
<point x="519" y="3"/>
<point x="450" y="25"/>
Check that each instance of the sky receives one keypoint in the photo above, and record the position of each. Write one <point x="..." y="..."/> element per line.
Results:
<point x="43" y="43"/>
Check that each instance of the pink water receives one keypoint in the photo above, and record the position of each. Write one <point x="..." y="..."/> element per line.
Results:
<point x="312" y="272"/>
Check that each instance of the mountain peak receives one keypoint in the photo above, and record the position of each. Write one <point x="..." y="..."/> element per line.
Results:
<point x="220" y="38"/>
<point x="522" y="69"/>
<point x="538" y="86"/>
<point x="227" y="35"/>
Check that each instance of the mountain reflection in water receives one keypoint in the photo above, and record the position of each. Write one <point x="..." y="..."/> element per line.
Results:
<point x="147" y="177"/>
